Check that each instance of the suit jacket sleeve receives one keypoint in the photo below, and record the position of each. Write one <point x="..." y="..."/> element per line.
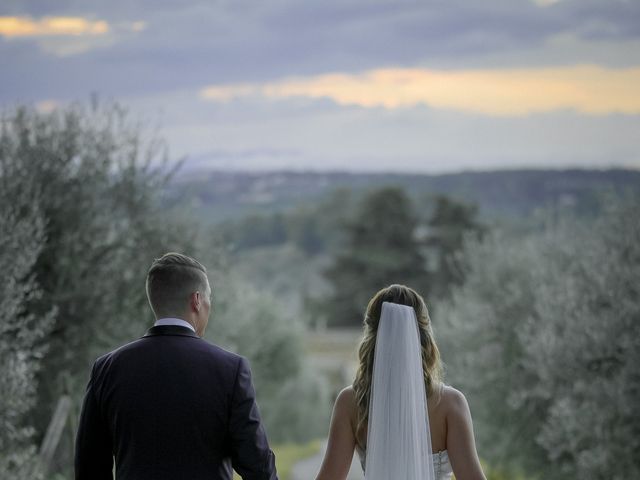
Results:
<point x="250" y="453"/>
<point x="93" y="452"/>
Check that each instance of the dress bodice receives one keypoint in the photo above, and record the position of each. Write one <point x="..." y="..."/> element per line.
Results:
<point x="441" y="463"/>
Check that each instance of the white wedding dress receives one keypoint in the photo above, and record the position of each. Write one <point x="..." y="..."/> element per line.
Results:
<point x="441" y="464"/>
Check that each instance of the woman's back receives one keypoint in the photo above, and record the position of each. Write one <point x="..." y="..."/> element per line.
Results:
<point x="437" y="408"/>
<point x="449" y="425"/>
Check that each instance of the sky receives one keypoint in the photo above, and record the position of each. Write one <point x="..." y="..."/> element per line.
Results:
<point x="427" y="86"/>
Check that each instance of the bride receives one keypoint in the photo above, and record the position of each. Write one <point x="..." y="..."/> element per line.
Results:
<point x="399" y="417"/>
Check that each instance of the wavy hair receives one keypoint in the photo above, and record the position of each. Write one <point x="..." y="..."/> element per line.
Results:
<point x="431" y="364"/>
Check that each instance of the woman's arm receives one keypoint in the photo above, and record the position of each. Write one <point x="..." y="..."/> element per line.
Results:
<point x="461" y="444"/>
<point x="341" y="443"/>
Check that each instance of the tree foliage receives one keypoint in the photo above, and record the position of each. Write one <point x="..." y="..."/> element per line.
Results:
<point x="314" y="229"/>
<point x="450" y="224"/>
<point x="81" y="242"/>
<point x="544" y="337"/>
<point x="21" y="333"/>
<point x="291" y="399"/>
<point x="93" y="176"/>
<point x="386" y="242"/>
<point x="381" y="248"/>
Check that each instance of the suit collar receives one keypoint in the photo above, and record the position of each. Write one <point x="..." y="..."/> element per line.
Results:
<point x="170" y="330"/>
<point x="174" y="321"/>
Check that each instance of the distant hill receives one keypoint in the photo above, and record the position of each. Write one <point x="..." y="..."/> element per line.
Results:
<point x="220" y="195"/>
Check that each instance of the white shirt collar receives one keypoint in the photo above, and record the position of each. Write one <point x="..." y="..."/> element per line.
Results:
<point x="173" y="321"/>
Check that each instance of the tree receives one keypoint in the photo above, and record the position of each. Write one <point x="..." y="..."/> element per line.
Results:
<point x="292" y="400"/>
<point x="584" y="362"/>
<point x="21" y="334"/>
<point x="477" y="334"/>
<point x="94" y="177"/>
<point x="257" y="230"/>
<point x="380" y="249"/>
<point x="319" y="229"/>
<point x="544" y="338"/>
<point x="450" y="224"/>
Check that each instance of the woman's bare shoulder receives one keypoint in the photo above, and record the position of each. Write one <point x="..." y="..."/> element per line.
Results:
<point x="453" y="400"/>
<point x="346" y="398"/>
<point x="346" y="405"/>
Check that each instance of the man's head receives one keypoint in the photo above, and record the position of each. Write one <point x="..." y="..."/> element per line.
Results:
<point x="177" y="286"/>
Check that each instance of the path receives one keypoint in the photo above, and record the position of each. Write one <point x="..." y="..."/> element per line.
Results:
<point x="308" y="468"/>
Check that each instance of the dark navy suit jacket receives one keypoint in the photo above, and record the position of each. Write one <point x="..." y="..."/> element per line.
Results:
<point x="171" y="406"/>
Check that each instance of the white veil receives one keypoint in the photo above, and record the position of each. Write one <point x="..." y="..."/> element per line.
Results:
<point x="398" y="437"/>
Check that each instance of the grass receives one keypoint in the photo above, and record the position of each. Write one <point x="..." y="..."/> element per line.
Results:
<point x="493" y="473"/>
<point x="288" y="454"/>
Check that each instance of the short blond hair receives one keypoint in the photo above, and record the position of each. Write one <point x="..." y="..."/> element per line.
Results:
<point x="171" y="279"/>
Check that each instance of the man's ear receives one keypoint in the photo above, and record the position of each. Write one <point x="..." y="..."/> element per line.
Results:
<point x="196" y="301"/>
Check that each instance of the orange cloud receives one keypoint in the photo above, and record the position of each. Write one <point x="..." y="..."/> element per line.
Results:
<point x="584" y="88"/>
<point x="12" y="27"/>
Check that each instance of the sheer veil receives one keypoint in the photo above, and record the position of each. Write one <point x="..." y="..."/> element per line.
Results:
<point x="398" y="438"/>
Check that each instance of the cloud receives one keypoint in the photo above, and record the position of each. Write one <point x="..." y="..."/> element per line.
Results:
<point x="416" y="139"/>
<point x="587" y="89"/>
<point x="12" y="27"/>
<point x="64" y="36"/>
<point x="301" y="133"/>
<point x="545" y="3"/>
<point x="200" y="42"/>
<point x="138" y="26"/>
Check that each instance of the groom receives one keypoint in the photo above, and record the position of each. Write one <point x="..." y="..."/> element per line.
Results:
<point x="171" y="405"/>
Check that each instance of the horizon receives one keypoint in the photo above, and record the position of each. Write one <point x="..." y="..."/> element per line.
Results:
<point x="328" y="172"/>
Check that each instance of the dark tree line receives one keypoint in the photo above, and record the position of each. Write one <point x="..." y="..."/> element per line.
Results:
<point x="386" y="243"/>
<point x="373" y="239"/>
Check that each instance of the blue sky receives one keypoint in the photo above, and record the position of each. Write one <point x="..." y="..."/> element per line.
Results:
<point x="424" y="86"/>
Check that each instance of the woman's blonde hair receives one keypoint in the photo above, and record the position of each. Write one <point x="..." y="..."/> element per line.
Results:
<point x="431" y="365"/>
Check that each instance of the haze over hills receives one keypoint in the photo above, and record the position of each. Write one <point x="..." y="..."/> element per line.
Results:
<point x="224" y="194"/>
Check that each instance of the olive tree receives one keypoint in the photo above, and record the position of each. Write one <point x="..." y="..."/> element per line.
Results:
<point x="544" y="337"/>
<point x="21" y="335"/>
<point x="94" y="176"/>
<point x="255" y="324"/>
